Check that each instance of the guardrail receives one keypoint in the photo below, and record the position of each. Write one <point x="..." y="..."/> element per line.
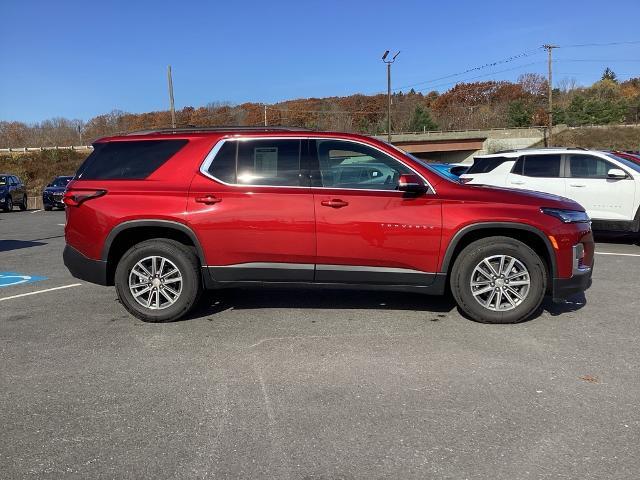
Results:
<point x="41" y="149"/>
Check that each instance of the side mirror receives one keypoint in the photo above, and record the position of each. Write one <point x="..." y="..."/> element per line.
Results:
<point x="616" y="173"/>
<point x="411" y="183"/>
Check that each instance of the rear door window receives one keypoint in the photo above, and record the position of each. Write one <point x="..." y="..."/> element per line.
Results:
<point x="269" y="162"/>
<point x="128" y="160"/>
<point x="545" y="166"/>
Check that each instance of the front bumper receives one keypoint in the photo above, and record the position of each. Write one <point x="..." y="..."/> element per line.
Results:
<point x="564" y="288"/>
<point x="84" y="268"/>
<point x="52" y="200"/>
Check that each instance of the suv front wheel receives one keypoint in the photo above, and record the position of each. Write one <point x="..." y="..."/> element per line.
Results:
<point x="498" y="280"/>
<point x="158" y="280"/>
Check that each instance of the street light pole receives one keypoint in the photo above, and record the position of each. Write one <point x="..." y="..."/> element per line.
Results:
<point x="171" y="105"/>
<point x="389" y="62"/>
<point x="549" y="48"/>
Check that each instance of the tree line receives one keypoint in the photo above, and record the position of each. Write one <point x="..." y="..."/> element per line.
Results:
<point x="476" y="105"/>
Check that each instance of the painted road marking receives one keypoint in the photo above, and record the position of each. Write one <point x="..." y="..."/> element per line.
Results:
<point x="39" y="291"/>
<point x="36" y="211"/>
<point x="61" y="224"/>
<point x="619" y="254"/>
<point x="8" y="279"/>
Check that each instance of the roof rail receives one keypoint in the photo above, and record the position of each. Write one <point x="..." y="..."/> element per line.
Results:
<point x="538" y="148"/>
<point x="193" y="129"/>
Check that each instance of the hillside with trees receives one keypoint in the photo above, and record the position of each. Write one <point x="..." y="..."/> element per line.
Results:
<point x="477" y="105"/>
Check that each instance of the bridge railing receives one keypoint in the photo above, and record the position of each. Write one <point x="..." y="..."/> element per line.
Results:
<point x="41" y="149"/>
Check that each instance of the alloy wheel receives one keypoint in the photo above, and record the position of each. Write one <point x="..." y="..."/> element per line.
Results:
<point x="155" y="282"/>
<point x="500" y="283"/>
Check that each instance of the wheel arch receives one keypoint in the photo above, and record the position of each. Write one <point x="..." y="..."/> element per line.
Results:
<point x="523" y="232"/>
<point x="126" y="234"/>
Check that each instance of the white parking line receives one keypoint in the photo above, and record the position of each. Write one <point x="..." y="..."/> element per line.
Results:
<point x="39" y="291"/>
<point x="619" y="254"/>
<point x="61" y="224"/>
<point x="36" y="211"/>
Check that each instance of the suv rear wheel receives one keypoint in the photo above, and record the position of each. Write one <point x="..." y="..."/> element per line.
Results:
<point x="158" y="280"/>
<point x="498" y="280"/>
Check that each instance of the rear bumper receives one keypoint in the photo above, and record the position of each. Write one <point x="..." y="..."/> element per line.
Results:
<point x="564" y="288"/>
<point x="87" y="269"/>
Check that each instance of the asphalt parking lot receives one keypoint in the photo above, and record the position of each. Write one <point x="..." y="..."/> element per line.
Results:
<point x="311" y="384"/>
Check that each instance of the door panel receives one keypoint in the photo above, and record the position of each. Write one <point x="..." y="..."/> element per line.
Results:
<point x="602" y="197"/>
<point x="377" y="229"/>
<point x="254" y="232"/>
<point x="368" y="231"/>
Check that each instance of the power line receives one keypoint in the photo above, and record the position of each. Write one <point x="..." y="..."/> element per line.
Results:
<point x="610" y="44"/>
<point x="481" y="67"/>
<point x="432" y="87"/>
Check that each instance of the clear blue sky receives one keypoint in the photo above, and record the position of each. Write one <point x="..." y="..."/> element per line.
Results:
<point x="78" y="59"/>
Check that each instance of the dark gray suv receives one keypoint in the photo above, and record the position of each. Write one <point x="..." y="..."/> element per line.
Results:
<point x="12" y="192"/>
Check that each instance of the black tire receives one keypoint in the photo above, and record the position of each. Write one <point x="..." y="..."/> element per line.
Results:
<point x="182" y="257"/>
<point x="23" y="205"/>
<point x="473" y="254"/>
<point x="8" y="204"/>
<point x="48" y="208"/>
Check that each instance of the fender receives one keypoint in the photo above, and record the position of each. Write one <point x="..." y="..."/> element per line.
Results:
<point x="181" y="227"/>
<point x="491" y="225"/>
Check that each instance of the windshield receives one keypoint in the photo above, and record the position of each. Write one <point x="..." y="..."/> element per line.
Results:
<point x="61" y="181"/>
<point x="624" y="161"/>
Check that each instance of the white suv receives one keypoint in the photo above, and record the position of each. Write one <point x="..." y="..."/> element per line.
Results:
<point x="607" y="186"/>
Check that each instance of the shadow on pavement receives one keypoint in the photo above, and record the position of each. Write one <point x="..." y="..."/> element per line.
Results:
<point x="618" y="238"/>
<point x="8" y="245"/>
<point x="572" y="304"/>
<point x="331" y="299"/>
<point x="215" y="302"/>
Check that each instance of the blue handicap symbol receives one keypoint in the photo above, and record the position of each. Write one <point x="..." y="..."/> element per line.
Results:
<point x="8" y="279"/>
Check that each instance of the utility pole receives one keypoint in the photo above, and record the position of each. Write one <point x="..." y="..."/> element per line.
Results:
<point x="80" y="130"/>
<point x="549" y="48"/>
<point x="171" y="105"/>
<point x="389" y="62"/>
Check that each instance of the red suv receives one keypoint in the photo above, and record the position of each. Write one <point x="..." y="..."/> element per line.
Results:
<point x="166" y="214"/>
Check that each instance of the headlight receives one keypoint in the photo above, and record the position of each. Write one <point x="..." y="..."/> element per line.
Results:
<point x="566" y="216"/>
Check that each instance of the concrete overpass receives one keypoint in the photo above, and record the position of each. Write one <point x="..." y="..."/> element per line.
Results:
<point x="462" y="146"/>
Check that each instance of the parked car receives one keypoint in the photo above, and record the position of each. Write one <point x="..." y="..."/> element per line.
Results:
<point x="607" y="185"/>
<point x="634" y="157"/>
<point x="53" y="193"/>
<point x="12" y="192"/>
<point x="163" y="215"/>
<point x="451" y="170"/>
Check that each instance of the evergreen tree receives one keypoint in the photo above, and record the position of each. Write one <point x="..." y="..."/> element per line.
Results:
<point x="609" y="74"/>
<point x="422" y="120"/>
<point x="519" y="114"/>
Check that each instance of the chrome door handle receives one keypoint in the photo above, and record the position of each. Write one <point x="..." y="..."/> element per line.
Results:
<point x="335" y="203"/>
<point x="208" y="199"/>
<point x="517" y="182"/>
<point x="579" y="185"/>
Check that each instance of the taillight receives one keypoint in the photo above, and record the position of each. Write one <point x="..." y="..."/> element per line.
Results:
<point x="74" y="198"/>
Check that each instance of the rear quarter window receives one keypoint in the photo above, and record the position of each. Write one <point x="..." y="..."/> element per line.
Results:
<point x="486" y="165"/>
<point x="128" y="160"/>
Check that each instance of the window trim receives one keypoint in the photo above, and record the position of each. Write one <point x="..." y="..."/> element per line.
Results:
<point x="208" y="160"/>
